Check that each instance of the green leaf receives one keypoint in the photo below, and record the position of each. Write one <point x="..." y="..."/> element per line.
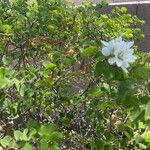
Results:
<point x="130" y="101"/>
<point x="49" y="65"/>
<point x="108" y="135"/>
<point x="2" y="72"/>
<point x="7" y="28"/>
<point x="95" y="91"/>
<point x="4" y="82"/>
<point x="56" y="136"/>
<point x="17" y="135"/>
<point x="54" y="147"/>
<point x="110" y="72"/>
<point x="146" y="136"/>
<point x="128" y="131"/>
<point x="17" y="84"/>
<point x="99" y="69"/>
<point x="6" y="141"/>
<point x="21" y="136"/>
<point x="66" y="121"/>
<point x="44" y="145"/>
<point x="145" y="99"/>
<point x="147" y="111"/>
<point x="137" y="114"/>
<point x="100" y="144"/>
<point x="47" y="129"/>
<point x="52" y="28"/>
<point x="142" y="72"/>
<point x="123" y="9"/>
<point x="27" y="146"/>
<point x="89" y="51"/>
<point x="138" y="138"/>
<point x="33" y="124"/>
<point x="107" y="104"/>
<point x="31" y="133"/>
<point x="55" y="56"/>
<point x="5" y="60"/>
<point x="142" y="146"/>
<point x="4" y="77"/>
<point x="24" y="135"/>
<point x="126" y="88"/>
<point x="23" y="89"/>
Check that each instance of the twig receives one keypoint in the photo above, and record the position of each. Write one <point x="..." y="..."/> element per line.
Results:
<point x="4" y="34"/>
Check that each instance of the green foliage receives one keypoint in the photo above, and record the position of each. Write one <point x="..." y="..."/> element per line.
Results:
<point x="57" y="91"/>
<point x="45" y="136"/>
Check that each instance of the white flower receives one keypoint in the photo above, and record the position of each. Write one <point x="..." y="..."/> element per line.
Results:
<point x="119" y="52"/>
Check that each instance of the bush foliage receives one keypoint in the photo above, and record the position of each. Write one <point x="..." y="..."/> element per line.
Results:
<point x="57" y="91"/>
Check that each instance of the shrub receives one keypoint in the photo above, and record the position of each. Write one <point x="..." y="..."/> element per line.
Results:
<point x="57" y="89"/>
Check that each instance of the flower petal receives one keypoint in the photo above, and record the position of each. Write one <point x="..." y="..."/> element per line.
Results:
<point x="111" y="60"/>
<point x="119" y="39"/>
<point x="129" y="44"/>
<point x="119" y="62"/>
<point x="120" y="52"/>
<point x="131" y="58"/>
<point x="106" y="51"/>
<point x="124" y="69"/>
<point x="105" y="43"/>
<point x="125" y="65"/>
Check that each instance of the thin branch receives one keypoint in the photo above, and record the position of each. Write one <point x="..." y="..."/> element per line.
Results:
<point x="4" y="34"/>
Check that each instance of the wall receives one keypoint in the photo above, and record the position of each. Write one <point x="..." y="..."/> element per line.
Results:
<point x="113" y="1"/>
